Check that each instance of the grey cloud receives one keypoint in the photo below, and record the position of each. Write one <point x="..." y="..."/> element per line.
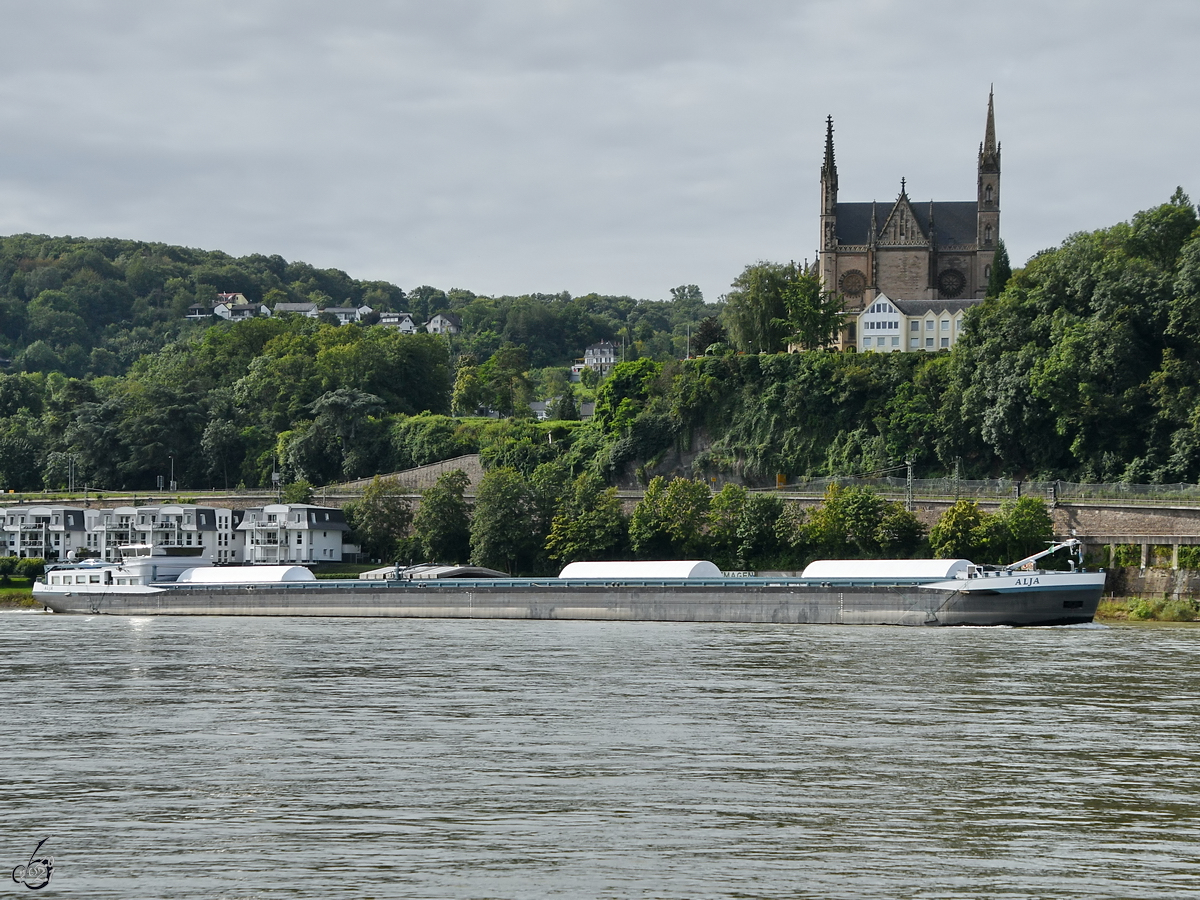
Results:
<point x="611" y="146"/>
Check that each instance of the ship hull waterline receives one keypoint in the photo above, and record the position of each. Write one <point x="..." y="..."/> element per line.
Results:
<point x="774" y="602"/>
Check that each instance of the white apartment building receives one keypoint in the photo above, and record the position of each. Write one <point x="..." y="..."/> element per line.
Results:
<point x="45" y="532"/>
<point x="293" y="533"/>
<point x="213" y="529"/>
<point x="278" y="533"/>
<point x="894" y="326"/>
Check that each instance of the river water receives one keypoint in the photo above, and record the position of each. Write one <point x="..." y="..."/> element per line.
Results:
<point x="353" y="758"/>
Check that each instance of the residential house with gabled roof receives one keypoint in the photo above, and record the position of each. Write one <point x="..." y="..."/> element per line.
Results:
<point x="239" y="311"/>
<point x="401" y="321"/>
<point x="600" y="357"/>
<point x="308" y="310"/>
<point x="347" y="314"/>
<point x="444" y="323"/>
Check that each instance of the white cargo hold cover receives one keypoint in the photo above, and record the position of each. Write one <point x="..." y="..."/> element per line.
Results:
<point x="245" y="575"/>
<point x="886" y="569"/>
<point x="619" y="570"/>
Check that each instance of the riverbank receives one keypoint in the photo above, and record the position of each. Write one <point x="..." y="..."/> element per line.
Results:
<point x="1148" y="609"/>
<point x="17" y="598"/>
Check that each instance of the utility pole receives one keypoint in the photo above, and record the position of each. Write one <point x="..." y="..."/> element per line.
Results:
<point x="957" y="475"/>
<point x="908" y="491"/>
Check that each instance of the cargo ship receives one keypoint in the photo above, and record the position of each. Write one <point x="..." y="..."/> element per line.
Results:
<point x="151" y="582"/>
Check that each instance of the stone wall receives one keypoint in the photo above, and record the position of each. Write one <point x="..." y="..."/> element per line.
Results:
<point x="1130" y="581"/>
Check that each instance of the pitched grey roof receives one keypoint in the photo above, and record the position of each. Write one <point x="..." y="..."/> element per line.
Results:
<point x="920" y="307"/>
<point x="956" y="222"/>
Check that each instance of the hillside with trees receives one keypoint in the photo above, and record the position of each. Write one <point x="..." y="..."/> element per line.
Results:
<point x="1085" y="366"/>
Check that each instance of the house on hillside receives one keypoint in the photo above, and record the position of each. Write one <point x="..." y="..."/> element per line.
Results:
<point x="600" y="357"/>
<point x="232" y="299"/>
<point x="198" y="312"/>
<point x="236" y="312"/>
<point x="444" y="323"/>
<point x="399" y="320"/>
<point x="308" y="310"/>
<point x="347" y="314"/>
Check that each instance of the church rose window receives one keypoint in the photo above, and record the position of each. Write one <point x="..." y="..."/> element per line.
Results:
<point x="853" y="283"/>
<point x="951" y="283"/>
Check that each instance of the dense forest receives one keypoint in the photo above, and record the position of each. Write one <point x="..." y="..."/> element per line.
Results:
<point x="1085" y="367"/>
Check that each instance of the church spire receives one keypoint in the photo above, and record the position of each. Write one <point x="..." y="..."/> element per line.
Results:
<point x="829" y="189"/>
<point x="829" y="166"/>
<point x="989" y="150"/>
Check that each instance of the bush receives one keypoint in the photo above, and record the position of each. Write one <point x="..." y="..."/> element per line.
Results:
<point x="1164" y="610"/>
<point x="31" y="567"/>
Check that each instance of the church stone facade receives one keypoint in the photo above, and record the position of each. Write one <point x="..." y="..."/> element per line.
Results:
<point x="908" y="250"/>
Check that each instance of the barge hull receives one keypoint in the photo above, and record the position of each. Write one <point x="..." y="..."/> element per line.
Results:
<point x="733" y="600"/>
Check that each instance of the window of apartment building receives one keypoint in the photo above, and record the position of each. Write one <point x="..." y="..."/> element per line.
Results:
<point x="929" y="324"/>
<point x="929" y="343"/>
<point x="914" y="326"/>
<point x="945" y="324"/>
<point x="945" y="342"/>
<point x="896" y="341"/>
<point x="866" y="342"/>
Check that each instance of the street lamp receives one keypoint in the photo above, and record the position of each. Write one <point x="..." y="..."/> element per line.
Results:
<point x="172" y="474"/>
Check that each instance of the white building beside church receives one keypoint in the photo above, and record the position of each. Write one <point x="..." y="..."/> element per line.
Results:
<point x="895" y="326"/>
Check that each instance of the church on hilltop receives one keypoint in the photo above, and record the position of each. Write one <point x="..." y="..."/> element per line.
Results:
<point x="918" y="262"/>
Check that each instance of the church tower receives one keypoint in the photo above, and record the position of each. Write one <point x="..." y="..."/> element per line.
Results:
<point x="829" y="190"/>
<point x="989" y="194"/>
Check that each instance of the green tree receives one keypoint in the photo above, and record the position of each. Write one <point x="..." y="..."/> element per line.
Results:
<point x="221" y="447"/>
<point x="563" y="408"/>
<point x="814" y="316"/>
<point x="671" y="519"/>
<point x="382" y="519"/>
<point x="344" y="411"/>
<point x="958" y="533"/>
<point x="443" y="521"/>
<point x="1026" y="529"/>
<point x="709" y="332"/>
<point x="742" y="526"/>
<point x="500" y="534"/>
<point x="589" y="524"/>
<point x="1000" y="272"/>
<point x="297" y="492"/>
<point x="756" y="311"/>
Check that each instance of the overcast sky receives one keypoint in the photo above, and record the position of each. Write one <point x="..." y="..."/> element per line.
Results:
<point x="621" y="147"/>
